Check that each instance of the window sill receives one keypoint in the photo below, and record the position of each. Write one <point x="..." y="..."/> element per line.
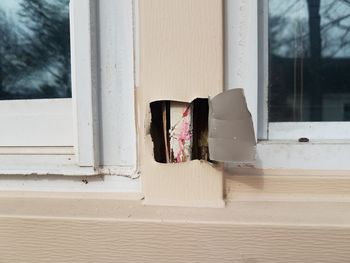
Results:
<point x="330" y="155"/>
<point x="129" y="207"/>
<point x="312" y="142"/>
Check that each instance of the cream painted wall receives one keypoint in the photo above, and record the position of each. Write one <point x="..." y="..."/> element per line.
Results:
<point x="272" y="215"/>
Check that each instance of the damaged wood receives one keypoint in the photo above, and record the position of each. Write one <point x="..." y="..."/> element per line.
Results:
<point x="220" y="129"/>
<point x="181" y="134"/>
<point x="181" y="59"/>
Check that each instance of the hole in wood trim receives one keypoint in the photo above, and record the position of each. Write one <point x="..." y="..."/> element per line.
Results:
<point x="179" y="130"/>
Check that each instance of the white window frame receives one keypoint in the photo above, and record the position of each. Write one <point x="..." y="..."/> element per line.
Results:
<point x="84" y="81"/>
<point x="39" y="122"/>
<point x="103" y="117"/>
<point x="37" y="137"/>
<point x="246" y="46"/>
<point x="289" y="130"/>
<point x="36" y="123"/>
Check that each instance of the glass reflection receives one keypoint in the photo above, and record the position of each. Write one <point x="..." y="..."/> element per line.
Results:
<point x="309" y="60"/>
<point x="34" y="49"/>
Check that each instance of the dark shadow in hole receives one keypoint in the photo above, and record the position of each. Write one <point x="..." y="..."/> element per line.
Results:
<point x="160" y="117"/>
<point x="157" y="129"/>
<point x="200" y="110"/>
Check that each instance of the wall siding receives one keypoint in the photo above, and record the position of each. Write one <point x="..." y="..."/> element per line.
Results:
<point x="91" y="230"/>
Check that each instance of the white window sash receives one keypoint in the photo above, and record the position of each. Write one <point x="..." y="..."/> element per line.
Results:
<point x="287" y="130"/>
<point x="84" y="80"/>
<point x="246" y="67"/>
<point x="39" y="122"/>
<point x="311" y="130"/>
<point x="99" y="122"/>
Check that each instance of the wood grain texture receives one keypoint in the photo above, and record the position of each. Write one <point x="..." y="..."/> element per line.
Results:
<point x="181" y="49"/>
<point x="72" y="230"/>
<point x="22" y="240"/>
<point x="287" y="185"/>
<point x="181" y="58"/>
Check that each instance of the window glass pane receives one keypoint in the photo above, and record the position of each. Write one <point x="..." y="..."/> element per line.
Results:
<point x="309" y="60"/>
<point x="34" y="49"/>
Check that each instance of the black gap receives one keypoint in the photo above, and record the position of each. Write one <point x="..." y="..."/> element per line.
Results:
<point x="167" y="108"/>
<point x="200" y="110"/>
<point x="160" y="110"/>
<point x="157" y="130"/>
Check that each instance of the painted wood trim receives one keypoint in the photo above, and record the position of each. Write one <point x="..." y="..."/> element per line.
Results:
<point x="42" y="229"/>
<point x="116" y="85"/>
<point x="326" y="131"/>
<point x="294" y="155"/>
<point x="32" y="123"/>
<point x="36" y="150"/>
<point x="241" y="51"/>
<point x="181" y="58"/>
<point x="281" y="185"/>
<point x="84" y="80"/>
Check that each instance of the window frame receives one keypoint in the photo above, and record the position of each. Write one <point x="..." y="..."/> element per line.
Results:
<point x="51" y="154"/>
<point x="84" y="74"/>
<point x="36" y="123"/>
<point x="33" y="123"/>
<point x="287" y="130"/>
<point x="86" y="156"/>
<point x="246" y="43"/>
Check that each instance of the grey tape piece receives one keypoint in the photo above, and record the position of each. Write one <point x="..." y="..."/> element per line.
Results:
<point x="231" y="130"/>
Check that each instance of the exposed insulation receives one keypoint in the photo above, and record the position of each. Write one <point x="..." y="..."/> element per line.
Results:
<point x="180" y="132"/>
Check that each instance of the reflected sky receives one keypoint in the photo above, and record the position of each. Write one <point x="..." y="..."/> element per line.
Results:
<point x="9" y="5"/>
<point x="289" y="21"/>
<point x="309" y="60"/>
<point x="34" y="49"/>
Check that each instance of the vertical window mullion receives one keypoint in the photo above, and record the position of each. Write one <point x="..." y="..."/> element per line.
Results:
<point x="84" y="81"/>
